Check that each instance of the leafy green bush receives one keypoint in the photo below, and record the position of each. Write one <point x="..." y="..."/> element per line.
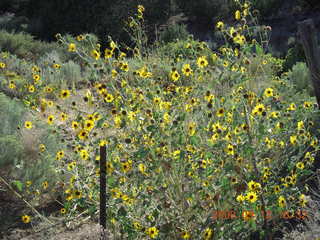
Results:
<point x="174" y="32"/>
<point x="300" y="77"/>
<point x="185" y="138"/>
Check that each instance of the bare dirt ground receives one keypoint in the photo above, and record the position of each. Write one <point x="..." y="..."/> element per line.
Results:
<point x="88" y="231"/>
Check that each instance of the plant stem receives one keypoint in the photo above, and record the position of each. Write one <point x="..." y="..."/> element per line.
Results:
<point x="265" y="222"/>
<point x="25" y="201"/>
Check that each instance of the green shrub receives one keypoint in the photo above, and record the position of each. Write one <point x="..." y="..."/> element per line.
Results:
<point x="294" y="55"/>
<point x="11" y="113"/>
<point x="50" y="75"/>
<point x="24" y="45"/>
<point x="183" y="48"/>
<point x="9" y="22"/>
<point x="174" y="32"/>
<point x="19" y="147"/>
<point x="10" y="149"/>
<point x="67" y="75"/>
<point x="17" y="71"/>
<point x="300" y="77"/>
<point x="71" y="73"/>
<point x="50" y="58"/>
<point x="36" y="166"/>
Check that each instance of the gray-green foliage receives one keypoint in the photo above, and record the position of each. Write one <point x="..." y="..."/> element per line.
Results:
<point x="300" y="77"/>
<point x="50" y="58"/>
<point x="36" y="166"/>
<point x="69" y="75"/>
<point x="19" y="153"/>
<point x="10" y="22"/>
<point x="50" y="75"/>
<point x="11" y="148"/>
<point x="23" y="45"/>
<point x="17" y="71"/>
<point x="12" y="112"/>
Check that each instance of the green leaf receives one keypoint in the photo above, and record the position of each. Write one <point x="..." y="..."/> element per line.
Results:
<point x="247" y="49"/>
<point x="253" y="225"/>
<point x="110" y="181"/>
<point x="141" y="153"/>
<point x="182" y="117"/>
<point x="100" y="122"/>
<point x="182" y="139"/>
<point x="306" y="172"/>
<point x="249" y="150"/>
<point x="182" y="154"/>
<point x="225" y="183"/>
<point x="259" y="49"/>
<point x="18" y="184"/>
<point x="208" y="155"/>
<point x="194" y="140"/>
<point x="262" y="131"/>
<point x="153" y="153"/>
<point x="151" y="128"/>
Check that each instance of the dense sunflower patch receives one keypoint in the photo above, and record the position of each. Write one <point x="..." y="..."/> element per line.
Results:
<point x="186" y="137"/>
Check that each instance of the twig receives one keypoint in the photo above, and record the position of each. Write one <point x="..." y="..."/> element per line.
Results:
<point x="25" y="201"/>
<point x="61" y="222"/>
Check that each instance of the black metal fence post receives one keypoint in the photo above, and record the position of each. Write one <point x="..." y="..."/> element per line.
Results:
<point x="103" y="187"/>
